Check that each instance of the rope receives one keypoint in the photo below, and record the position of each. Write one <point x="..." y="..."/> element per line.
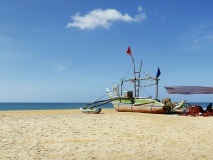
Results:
<point x="128" y="70"/>
<point x="146" y="92"/>
<point x="144" y="87"/>
<point x="101" y="97"/>
<point x="104" y="95"/>
<point x="137" y="66"/>
<point x="124" y="86"/>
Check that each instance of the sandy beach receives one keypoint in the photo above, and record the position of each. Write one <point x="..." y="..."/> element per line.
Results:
<point x="111" y="135"/>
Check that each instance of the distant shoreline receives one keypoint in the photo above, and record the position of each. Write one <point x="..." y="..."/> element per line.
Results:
<point x="45" y="106"/>
<point x="47" y="111"/>
<point x="50" y="111"/>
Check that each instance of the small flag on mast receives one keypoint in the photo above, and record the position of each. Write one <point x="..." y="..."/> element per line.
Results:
<point x="158" y="73"/>
<point x="129" y="51"/>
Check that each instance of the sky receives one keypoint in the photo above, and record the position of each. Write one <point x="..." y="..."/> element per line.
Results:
<point x="71" y="50"/>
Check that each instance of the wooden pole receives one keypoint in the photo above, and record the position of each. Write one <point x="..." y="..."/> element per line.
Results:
<point x="157" y="88"/>
<point x="134" y="75"/>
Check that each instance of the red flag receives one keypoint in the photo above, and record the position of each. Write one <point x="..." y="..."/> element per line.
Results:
<point x="129" y="51"/>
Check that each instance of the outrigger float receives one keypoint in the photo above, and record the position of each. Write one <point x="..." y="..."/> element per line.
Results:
<point x="131" y="101"/>
<point x="91" y="110"/>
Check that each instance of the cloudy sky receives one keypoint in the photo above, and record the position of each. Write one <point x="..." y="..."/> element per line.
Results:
<point x="71" y="50"/>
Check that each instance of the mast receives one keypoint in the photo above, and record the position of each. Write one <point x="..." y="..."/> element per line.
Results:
<point x="136" y="80"/>
<point x="157" y="88"/>
<point x="139" y="85"/>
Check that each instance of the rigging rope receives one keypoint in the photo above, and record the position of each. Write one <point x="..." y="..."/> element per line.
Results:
<point x="101" y="97"/>
<point x="128" y="70"/>
<point x="146" y="92"/>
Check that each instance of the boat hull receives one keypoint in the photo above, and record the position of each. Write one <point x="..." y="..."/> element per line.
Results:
<point x="143" y="109"/>
<point x="138" y="104"/>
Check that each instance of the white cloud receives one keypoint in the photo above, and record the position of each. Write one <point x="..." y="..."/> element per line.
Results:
<point x="140" y="17"/>
<point x="102" y="18"/>
<point x="140" y="8"/>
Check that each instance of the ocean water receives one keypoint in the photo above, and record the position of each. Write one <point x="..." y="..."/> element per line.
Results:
<point x="44" y="106"/>
<point x="52" y="106"/>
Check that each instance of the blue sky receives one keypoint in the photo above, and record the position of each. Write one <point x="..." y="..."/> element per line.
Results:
<point x="71" y="50"/>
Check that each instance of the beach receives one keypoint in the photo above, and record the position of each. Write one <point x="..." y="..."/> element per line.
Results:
<point x="110" y="135"/>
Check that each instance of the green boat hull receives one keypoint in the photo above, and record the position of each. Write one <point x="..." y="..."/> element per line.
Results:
<point x="139" y="105"/>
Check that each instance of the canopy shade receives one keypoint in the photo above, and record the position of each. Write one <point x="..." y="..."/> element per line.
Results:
<point x="189" y="90"/>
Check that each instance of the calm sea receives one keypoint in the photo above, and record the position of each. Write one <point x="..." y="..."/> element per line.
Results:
<point x="44" y="106"/>
<point x="52" y="106"/>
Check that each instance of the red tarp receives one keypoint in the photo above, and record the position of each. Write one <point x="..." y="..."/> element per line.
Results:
<point x="189" y="90"/>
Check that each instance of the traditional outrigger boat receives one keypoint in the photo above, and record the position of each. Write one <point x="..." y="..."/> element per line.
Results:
<point x="134" y="103"/>
<point x="131" y="101"/>
<point x="137" y="104"/>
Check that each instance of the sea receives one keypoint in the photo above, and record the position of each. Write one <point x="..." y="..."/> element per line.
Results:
<point x="57" y="106"/>
<point x="44" y="106"/>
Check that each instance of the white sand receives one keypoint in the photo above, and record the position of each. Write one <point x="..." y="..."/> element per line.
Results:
<point x="70" y="134"/>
